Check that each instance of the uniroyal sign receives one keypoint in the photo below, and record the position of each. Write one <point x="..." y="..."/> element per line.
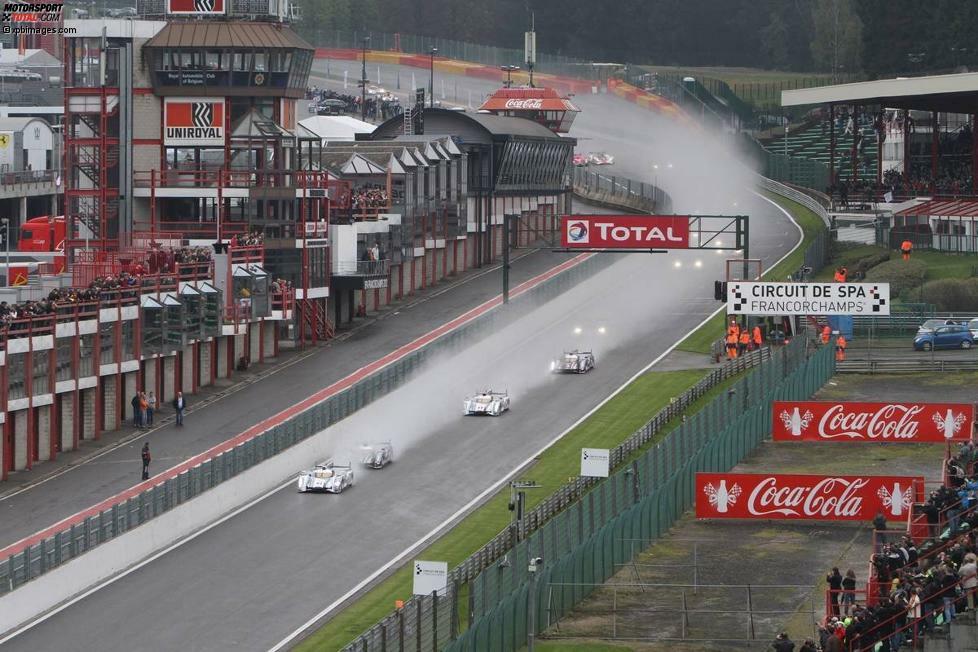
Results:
<point x="524" y="104"/>
<point x="206" y="7"/>
<point x="625" y="232"/>
<point x="896" y="422"/>
<point x="193" y="121"/>
<point x="814" y="497"/>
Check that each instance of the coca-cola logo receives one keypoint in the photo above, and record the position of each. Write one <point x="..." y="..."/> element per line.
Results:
<point x="815" y="497"/>
<point x="832" y="497"/>
<point x="934" y="422"/>
<point x="888" y="422"/>
<point x="524" y="104"/>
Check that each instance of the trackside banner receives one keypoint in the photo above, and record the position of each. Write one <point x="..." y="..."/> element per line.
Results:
<point x="625" y="232"/>
<point x="202" y="7"/>
<point x="797" y="497"/>
<point x="749" y="298"/>
<point x="890" y="422"/>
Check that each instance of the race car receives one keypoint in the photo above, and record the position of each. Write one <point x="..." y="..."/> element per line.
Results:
<point x="580" y="160"/>
<point x="327" y="477"/>
<point x="601" y="158"/>
<point x="487" y="403"/>
<point x="573" y="362"/>
<point x="377" y="456"/>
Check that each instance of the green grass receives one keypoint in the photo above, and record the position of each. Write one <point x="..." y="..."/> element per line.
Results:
<point x="701" y="340"/>
<point x="583" y="646"/>
<point x="939" y="264"/>
<point x="606" y="428"/>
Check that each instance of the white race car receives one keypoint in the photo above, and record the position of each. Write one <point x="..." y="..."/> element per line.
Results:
<point x="487" y="403"/>
<point x="377" y="456"/>
<point x="327" y="477"/>
<point x="600" y="158"/>
<point x="573" y="362"/>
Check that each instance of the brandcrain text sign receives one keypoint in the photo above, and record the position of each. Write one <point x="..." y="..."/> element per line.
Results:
<point x="193" y="121"/>
<point x="625" y="232"/>
<point x="815" y="497"/>
<point x="896" y="422"/>
<point x="748" y="298"/>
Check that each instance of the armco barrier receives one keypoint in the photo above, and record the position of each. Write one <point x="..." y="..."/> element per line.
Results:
<point x="62" y="542"/>
<point x="652" y="489"/>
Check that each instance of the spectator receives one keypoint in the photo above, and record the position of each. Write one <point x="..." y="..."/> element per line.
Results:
<point x="179" y="405"/>
<point x="150" y="408"/>
<point x="783" y="643"/>
<point x="147" y="458"/>
<point x="848" y="591"/>
<point x="137" y="413"/>
<point x="834" y="580"/>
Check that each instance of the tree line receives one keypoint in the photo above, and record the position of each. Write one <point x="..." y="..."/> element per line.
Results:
<point x="869" y="37"/>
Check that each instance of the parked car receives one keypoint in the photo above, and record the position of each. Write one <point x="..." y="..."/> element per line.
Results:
<point x="931" y="325"/>
<point x="973" y="327"/>
<point x="953" y="336"/>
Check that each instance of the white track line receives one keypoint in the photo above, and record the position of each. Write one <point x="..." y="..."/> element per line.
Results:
<point x="495" y="487"/>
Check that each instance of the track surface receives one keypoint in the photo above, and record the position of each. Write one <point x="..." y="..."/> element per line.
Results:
<point x="250" y="581"/>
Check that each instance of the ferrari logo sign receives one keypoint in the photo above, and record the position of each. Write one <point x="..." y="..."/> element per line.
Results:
<point x="4" y="141"/>
<point x="197" y="121"/>
<point x="195" y="6"/>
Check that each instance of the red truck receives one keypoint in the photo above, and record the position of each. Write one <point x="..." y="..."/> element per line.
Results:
<point x="41" y="234"/>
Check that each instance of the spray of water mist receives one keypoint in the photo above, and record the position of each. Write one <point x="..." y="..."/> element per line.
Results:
<point x="611" y="309"/>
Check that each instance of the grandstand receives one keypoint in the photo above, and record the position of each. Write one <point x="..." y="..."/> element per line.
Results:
<point x="813" y="142"/>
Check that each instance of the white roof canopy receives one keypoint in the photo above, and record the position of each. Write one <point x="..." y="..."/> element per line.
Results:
<point x="951" y="93"/>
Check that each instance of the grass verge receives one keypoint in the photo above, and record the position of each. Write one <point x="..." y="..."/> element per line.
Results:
<point x="606" y="428"/>
<point x="702" y="339"/>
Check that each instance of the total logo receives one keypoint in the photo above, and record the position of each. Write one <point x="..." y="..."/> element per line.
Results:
<point x="577" y="232"/>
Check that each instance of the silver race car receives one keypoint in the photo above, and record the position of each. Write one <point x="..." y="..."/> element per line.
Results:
<point x="487" y="403"/>
<point x="377" y="456"/>
<point x="327" y="477"/>
<point x="573" y="362"/>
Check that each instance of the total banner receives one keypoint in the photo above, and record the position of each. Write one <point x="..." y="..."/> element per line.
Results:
<point x="797" y="497"/>
<point x="625" y="232"/>
<point x="755" y="298"/>
<point x="893" y="422"/>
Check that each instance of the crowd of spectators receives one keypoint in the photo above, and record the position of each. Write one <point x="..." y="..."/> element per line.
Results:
<point x="370" y="197"/>
<point x="159" y="263"/>
<point x="918" y="589"/>
<point x="379" y="105"/>
<point x="253" y="238"/>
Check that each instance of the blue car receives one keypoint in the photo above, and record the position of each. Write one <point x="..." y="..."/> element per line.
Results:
<point x="955" y="336"/>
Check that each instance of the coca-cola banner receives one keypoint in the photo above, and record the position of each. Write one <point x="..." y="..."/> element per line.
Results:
<point x="891" y="422"/>
<point x="815" y="497"/>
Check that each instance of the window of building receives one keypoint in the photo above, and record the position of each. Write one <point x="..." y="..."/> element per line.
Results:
<point x="106" y="340"/>
<point x="86" y="355"/>
<point x="128" y="339"/>
<point x="213" y="61"/>
<point x="318" y="262"/>
<point x="41" y="367"/>
<point x="63" y="359"/>
<point x="260" y="62"/>
<point x="16" y="375"/>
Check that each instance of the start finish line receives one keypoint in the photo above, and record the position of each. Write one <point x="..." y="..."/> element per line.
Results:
<point x="748" y="298"/>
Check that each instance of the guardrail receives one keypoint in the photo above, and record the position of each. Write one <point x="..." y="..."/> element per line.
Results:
<point x="32" y="557"/>
<point x="603" y="188"/>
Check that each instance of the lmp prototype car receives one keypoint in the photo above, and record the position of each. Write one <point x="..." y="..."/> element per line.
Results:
<point x="580" y="160"/>
<point x="377" y="456"/>
<point x="573" y="362"/>
<point x="601" y="158"/>
<point x="327" y="477"/>
<point x="487" y="403"/>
